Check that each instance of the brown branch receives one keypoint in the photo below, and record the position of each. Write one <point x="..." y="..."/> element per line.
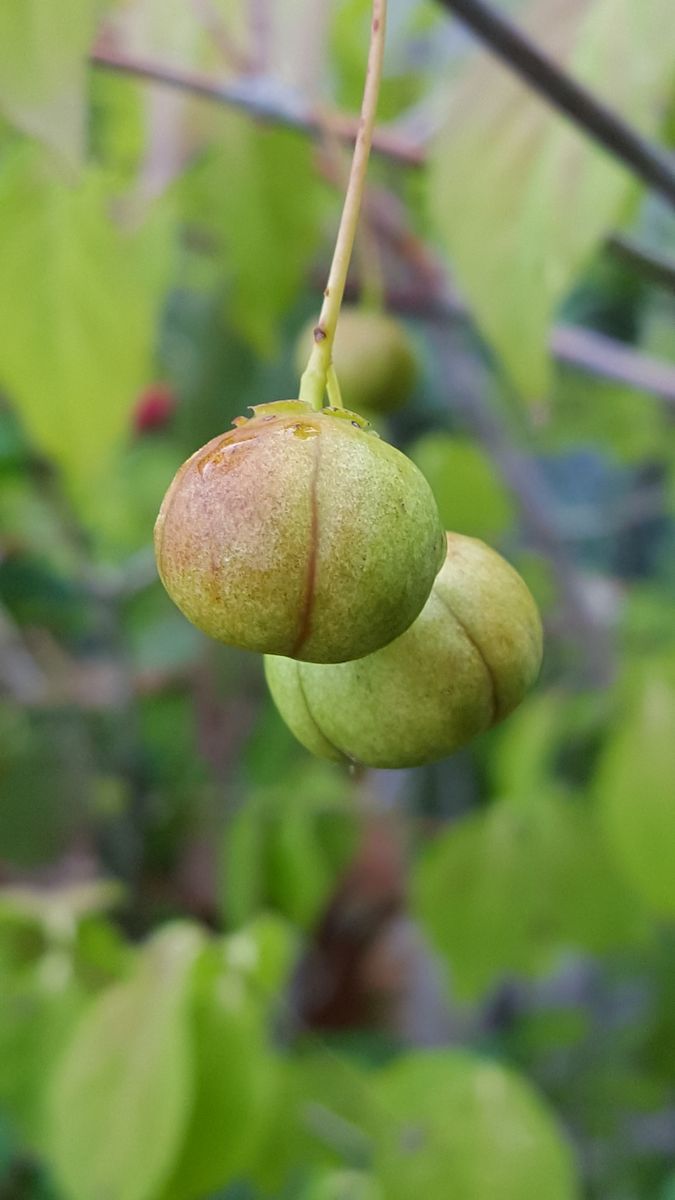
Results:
<point x="651" y="163"/>
<point x="603" y="356"/>
<point x="575" y="346"/>
<point x="583" y="349"/>
<point x="248" y="97"/>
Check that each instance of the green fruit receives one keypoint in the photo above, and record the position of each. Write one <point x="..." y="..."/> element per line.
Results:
<point x="373" y="358"/>
<point x="299" y="533"/>
<point x="464" y="664"/>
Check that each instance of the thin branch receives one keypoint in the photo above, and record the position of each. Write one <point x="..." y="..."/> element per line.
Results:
<point x="577" y="347"/>
<point x="387" y="143"/>
<point x="658" y="268"/>
<point x="599" y="355"/>
<point x="584" y="349"/>
<point x="319" y="373"/>
<point x="654" y="165"/>
<point x="248" y="95"/>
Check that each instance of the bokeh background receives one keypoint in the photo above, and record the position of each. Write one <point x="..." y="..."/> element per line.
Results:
<point x="226" y="969"/>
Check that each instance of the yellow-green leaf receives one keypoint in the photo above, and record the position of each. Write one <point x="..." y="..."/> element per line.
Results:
<point x="78" y="306"/>
<point x="519" y="197"/>
<point x="43" y="70"/>
<point x="454" y="1125"/>
<point x="636" y="792"/>
<point x="121" y="1096"/>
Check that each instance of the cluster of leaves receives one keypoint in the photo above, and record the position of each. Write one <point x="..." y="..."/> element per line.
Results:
<point x="145" y="236"/>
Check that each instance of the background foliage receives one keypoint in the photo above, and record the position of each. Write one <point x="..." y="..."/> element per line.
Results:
<point x="227" y="970"/>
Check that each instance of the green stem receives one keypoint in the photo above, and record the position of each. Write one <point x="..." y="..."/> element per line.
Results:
<point x="314" y="380"/>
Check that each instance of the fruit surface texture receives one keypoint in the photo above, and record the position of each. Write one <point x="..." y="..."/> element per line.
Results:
<point x="299" y="533"/>
<point x="463" y="665"/>
<point x="373" y="357"/>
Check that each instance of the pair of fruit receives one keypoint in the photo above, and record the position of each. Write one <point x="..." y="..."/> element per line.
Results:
<point x="303" y="535"/>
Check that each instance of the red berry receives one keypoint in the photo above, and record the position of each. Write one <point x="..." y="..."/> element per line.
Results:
<point x="154" y="408"/>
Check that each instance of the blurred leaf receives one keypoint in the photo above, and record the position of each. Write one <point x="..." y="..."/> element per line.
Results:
<point x="117" y="129"/>
<point x="264" y="953"/>
<point x="34" y="528"/>
<point x="122" y="511"/>
<point x="524" y="746"/>
<point x="40" y="1009"/>
<point x="59" y="909"/>
<point x="44" y="782"/>
<point x="470" y="496"/>
<point x="121" y="1096"/>
<point x="299" y="878"/>
<point x="504" y="891"/>
<point x="247" y="194"/>
<point x="409" y="24"/>
<point x="324" y="1110"/>
<point x="235" y="1078"/>
<point x="455" y="1125"/>
<point x="605" y="415"/>
<point x="287" y="844"/>
<point x="44" y="69"/>
<point x="507" y="164"/>
<point x="78" y="307"/>
<point x="344" y="1185"/>
<point x="242" y="867"/>
<point x="635" y="788"/>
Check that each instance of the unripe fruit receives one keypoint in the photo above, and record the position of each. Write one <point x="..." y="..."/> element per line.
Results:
<point x="373" y="358"/>
<point x="464" y="664"/>
<point x="299" y="533"/>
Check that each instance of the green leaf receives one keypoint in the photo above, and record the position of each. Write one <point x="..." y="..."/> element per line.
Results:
<point x="44" y="69"/>
<point x="41" y="1006"/>
<point x="525" y="745"/>
<point x="408" y="58"/>
<point x="235" y="1076"/>
<point x="519" y="197"/>
<point x="299" y="876"/>
<point x="470" y="496"/>
<point x="264" y="953"/>
<point x="344" y="1185"/>
<point x="121" y="1097"/>
<point x="259" y="195"/>
<point x="603" y="414"/>
<point x="324" y="1106"/>
<point x="635" y="792"/>
<point x="78" y="307"/>
<point x="242" y="865"/>
<point x="504" y="891"/>
<point x="455" y="1125"/>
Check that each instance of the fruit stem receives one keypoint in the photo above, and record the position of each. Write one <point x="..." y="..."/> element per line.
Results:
<point x="314" y="379"/>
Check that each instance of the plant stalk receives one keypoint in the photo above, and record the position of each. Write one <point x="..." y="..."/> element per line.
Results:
<point x="314" y="379"/>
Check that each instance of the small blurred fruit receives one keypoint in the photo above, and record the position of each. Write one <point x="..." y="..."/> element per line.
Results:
<point x="154" y="408"/>
<point x="373" y="357"/>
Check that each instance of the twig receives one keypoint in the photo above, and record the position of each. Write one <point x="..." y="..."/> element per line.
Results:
<point x="250" y="97"/>
<point x="608" y="359"/>
<point x="654" y="165"/>
<point x="319" y="373"/>
<point x="433" y="295"/>
<point x="579" y="348"/>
